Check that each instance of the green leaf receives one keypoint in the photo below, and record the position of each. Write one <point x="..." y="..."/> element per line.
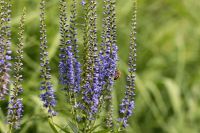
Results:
<point x="95" y="127"/>
<point x="73" y="127"/>
<point x="62" y="128"/>
<point x="103" y="131"/>
<point x="53" y="127"/>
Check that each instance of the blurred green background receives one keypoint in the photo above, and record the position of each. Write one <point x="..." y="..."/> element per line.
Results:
<point x="168" y="65"/>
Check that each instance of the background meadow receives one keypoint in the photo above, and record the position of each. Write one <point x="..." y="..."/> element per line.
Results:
<point x="168" y="65"/>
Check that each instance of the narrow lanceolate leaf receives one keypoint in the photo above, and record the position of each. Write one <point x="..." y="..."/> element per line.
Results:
<point x="73" y="127"/>
<point x="15" y="108"/>
<point x="64" y="129"/>
<point x="128" y="103"/>
<point x="53" y="127"/>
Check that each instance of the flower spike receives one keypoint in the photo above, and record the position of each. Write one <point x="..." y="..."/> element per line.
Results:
<point x="48" y="96"/>
<point x="5" y="50"/>
<point x="128" y="103"/>
<point x="15" y="108"/>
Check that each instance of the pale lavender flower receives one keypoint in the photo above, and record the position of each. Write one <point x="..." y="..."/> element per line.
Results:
<point x="83" y="2"/>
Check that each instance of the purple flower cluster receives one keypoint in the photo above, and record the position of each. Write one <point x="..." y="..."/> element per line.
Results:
<point x="78" y="71"/>
<point x="73" y="37"/>
<point x="15" y="111"/>
<point x="67" y="70"/>
<point x="128" y="104"/>
<point x="92" y="85"/>
<point x="70" y="67"/>
<point x="48" y="96"/>
<point x="108" y="55"/>
<point x="5" y="44"/>
<point x="88" y="91"/>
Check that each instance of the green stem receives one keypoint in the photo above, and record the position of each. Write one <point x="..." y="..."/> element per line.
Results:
<point x="10" y="129"/>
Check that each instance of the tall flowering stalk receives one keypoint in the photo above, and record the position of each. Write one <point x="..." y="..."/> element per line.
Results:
<point x="88" y="87"/>
<point x="70" y="68"/>
<point x="95" y="83"/>
<point x="15" y="108"/>
<point x="91" y="86"/>
<point x="128" y="104"/>
<point x="108" y="55"/>
<point x="73" y="38"/>
<point x="63" y="44"/>
<point x="48" y="96"/>
<point x="86" y="66"/>
<point x="5" y="44"/>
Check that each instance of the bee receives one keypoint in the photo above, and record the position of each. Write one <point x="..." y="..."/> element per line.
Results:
<point x="117" y="74"/>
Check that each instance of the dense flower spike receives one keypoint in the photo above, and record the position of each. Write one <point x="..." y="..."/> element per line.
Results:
<point x="96" y="88"/>
<point x="91" y="88"/>
<point x="63" y="43"/>
<point x="70" y="68"/>
<point x="88" y="86"/>
<point x="73" y="38"/>
<point x="85" y="41"/>
<point x="127" y="105"/>
<point x="108" y="55"/>
<point x="15" y="108"/>
<point x="48" y="97"/>
<point x="5" y="44"/>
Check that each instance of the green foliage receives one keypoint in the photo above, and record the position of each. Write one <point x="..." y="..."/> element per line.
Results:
<point x="53" y="127"/>
<point x="168" y="66"/>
